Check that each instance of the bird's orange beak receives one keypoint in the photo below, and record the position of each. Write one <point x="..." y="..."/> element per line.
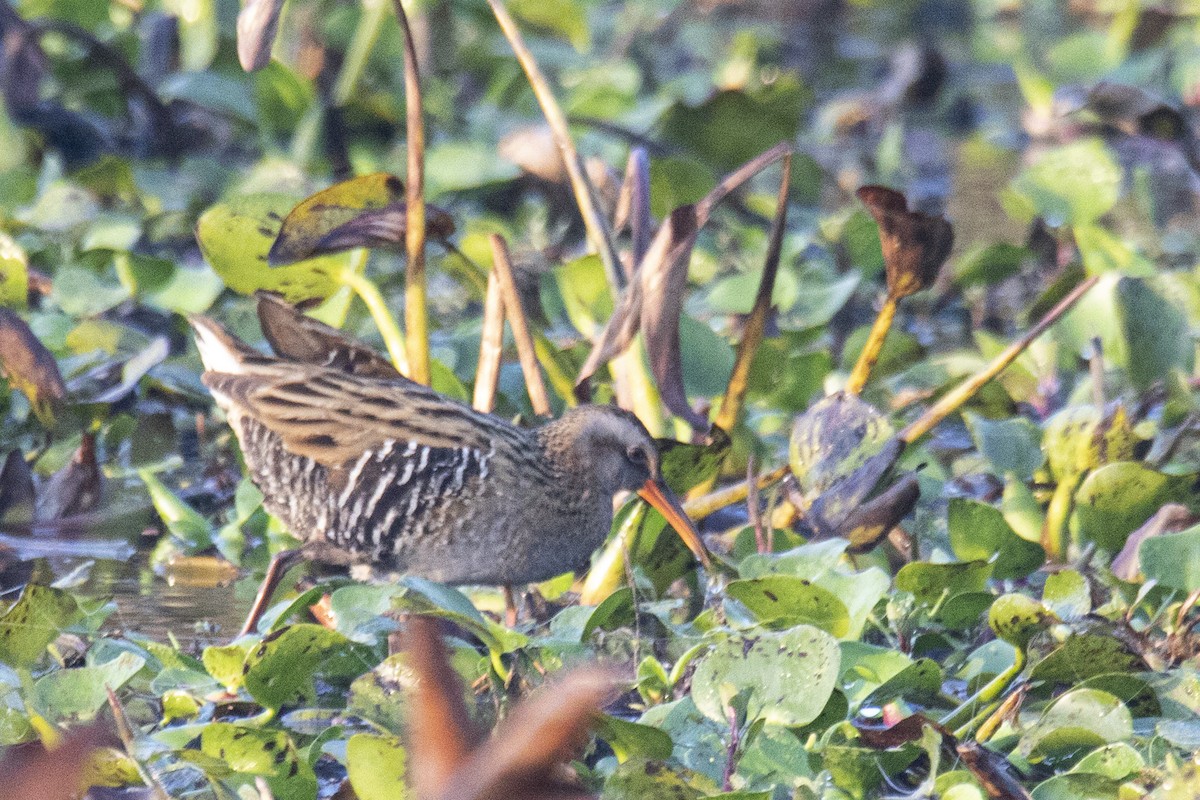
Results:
<point x="656" y="493"/>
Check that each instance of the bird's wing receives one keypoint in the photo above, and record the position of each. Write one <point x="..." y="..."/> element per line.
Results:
<point x="333" y="418"/>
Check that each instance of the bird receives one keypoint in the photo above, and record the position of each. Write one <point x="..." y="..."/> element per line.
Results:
<point x="364" y="466"/>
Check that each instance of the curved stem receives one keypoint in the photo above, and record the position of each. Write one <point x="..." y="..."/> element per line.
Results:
<point x="986" y="695"/>
<point x="384" y="321"/>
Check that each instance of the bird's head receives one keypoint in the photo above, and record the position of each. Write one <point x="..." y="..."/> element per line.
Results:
<point x="614" y="448"/>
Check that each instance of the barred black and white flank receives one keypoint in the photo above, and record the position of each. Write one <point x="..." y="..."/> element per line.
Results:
<point x="365" y="466"/>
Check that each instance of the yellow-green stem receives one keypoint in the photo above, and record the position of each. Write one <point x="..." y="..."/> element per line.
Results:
<point x="393" y="339"/>
<point x="987" y="694"/>
<point x="701" y="507"/>
<point x="370" y="23"/>
<point x="1058" y="513"/>
<point x="416" y="301"/>
<point x="874" y="346"/>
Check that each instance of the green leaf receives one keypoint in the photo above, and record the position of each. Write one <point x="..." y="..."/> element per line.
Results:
<point x="1067" y="594"/>
<point x="282" y="668"/>
<point x="979" y="532"/>
<point x="235" y="237"/>
<point x="1079" y="720"/>
<point x="1085" y="655"/>
<point x="928" y="582"/>
<point x="181" y="519"/>
<point x="1072" y="184"/>
<point x="1116" y="499"/>
<point x="1173" y="559"/>
<point x="780" y="601"/>
<point x="762" y="670"/>
<point x="633" y="740"/>
<point x="14" y="273"/>
<point x="1010" y="445"/>
<point x="77" y="694"/>
<point x="255" y="751"/>
<point x="377" y="766"/>
<point x="33" y="622"/>
<point x="1157" y="333"/>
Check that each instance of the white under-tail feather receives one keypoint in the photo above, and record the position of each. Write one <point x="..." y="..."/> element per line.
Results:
<point x="219" y="349"/>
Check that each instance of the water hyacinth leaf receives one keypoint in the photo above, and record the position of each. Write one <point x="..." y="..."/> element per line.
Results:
<point x="731" y="126"/>
<point x="76" y="694"/>
<point x="1070" y="185"/>
<point x="615" y="611"/>
<point x="632" y="739"/>
<point x="1016" y="618"/>
<point x="927" y="582"/>
<point x="1067" y="594"/>
<point x="1171" y="518"/>
<point x="1156" y="330"/>
<point x="1116" y="499"/>
<point x="1173" y="559"/>
<point x="919" y="682"/>
<point x="640" y="777"/>
<point x="282" y="667"/>
<point x="1116" y="761"/>
<point x="369" y="211"/>
<point x="435" y="599"/>
<point x="33" y="622"/>
<point x="1010" y="445"/>
<point x="684" y="465"/>
<point x="1083" y="656"/>
<point x="236" y="236"/>
<point x="979" y="531"/>
<point x="783" y="601"/>
<point x="376" y="766"/>
<point x="1079" y="720"/>
<point x="256" y="751"/>
<point x="14" y="273"/>
<point x="257" y="23"/>
<point x="914" y="245"/>
<point x="1081" y="438"/>
<point x="183" y="521"/>
<point x="989" y="265"/>
<point x="761" y="671"/>
<point x="30" y="367"/>
<point x="1077" y="786"/>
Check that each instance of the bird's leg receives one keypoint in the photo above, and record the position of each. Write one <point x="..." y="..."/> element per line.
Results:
<point x="281" y="562"/>
<point x="510" y="605"/>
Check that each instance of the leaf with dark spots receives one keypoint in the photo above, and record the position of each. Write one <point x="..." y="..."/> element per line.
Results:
<point x="684" y="465"/>
<point x="368" y="211"/>
<point x="914" y="245"/>
<point x="30" y="367"/>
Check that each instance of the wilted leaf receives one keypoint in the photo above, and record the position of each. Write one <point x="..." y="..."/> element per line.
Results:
<point x="368" y="211"/>
<point x="914" y="245"/>
<point x="298" y="337"/>
<point x="256" y="25"/>
<point x="1168" y="519"/>
<point x="30" y="367"/>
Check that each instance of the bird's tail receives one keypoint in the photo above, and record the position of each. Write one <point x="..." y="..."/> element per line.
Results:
<point x="220" y="350"/>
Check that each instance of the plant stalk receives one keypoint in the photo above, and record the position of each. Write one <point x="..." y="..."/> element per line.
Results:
<point x="874" y="346"/>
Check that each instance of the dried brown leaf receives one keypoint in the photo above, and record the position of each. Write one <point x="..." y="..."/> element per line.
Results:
<point x="257" y="24"/>
<point x="298" y="337"/>
<point x="74" y="489"/>
<point x="1171" y="518"/>
<point x="30" y="367"/>
<point x="17" y="493"/>
<point x="914" y="245"/>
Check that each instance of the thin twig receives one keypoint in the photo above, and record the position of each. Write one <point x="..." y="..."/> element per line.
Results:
<point x="491" y="347"/>
<point x="502" y="269"/>
<point x="701" y="507"/>
<point x="735" y="740"/>
<point x="756" y="514"/>
<point x="416" y="299"/>
<point x="960" y="394"/>
<point x="125" y="733"/>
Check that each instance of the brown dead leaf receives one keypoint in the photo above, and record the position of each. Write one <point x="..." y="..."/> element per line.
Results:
<point x="994" y="771"/>
<point x="298" y="337"/>
<point x="257" y="24"/>
<point x="914" y="245"/>
<point x="74" y="489"/>
<point x="31" y="772"/>
<point x="524" y="758"/>
<point x="30" y="367"/>
<point x="368" y="211"/>
<point x="16" y="490"/>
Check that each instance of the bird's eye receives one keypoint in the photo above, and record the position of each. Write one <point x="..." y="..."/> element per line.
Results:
<point x="637" y="456"/>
